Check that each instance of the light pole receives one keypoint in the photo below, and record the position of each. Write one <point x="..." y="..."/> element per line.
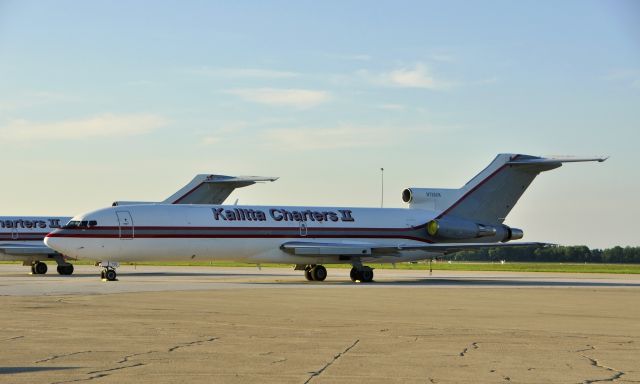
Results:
<point x="381" y="187"/>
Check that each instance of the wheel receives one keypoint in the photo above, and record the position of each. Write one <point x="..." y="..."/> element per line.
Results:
<point x="367" y="275"/>
<point x="110" y="274"/>
<point x="33" y="269"/>
<point x="65" y="269"/>
<point x="39" y="268"/>
<point x="354" y="274"/>
<point x="307" y="274"/>
<point x="319" y="273"/>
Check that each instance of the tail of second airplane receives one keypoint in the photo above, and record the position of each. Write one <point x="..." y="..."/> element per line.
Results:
<point x="205" y="189"/>
<point x="490" y="195"/>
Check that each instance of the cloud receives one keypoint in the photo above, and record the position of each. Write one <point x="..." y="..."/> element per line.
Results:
<point x="243" y="72"/>
<point x="299" y="98"/>
<point x="629" y="76"/>
<point x="341" y="137"/>
<point x="392" y="107"/>
<point x="107" y="125"/>
<point x="418" y="76"/>
<point x="29" y="99"/>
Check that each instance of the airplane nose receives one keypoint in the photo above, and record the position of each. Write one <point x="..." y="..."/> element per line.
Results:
<point x="55" y="243"/>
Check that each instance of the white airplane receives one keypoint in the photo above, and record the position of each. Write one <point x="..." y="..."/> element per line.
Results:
<point x="438" y="222"/>
<point x="21" y="237"/>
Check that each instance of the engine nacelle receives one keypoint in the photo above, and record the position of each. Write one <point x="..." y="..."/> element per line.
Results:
<point x="458" y="229"/>
<point x="513" y="234"/>
<point x="430" y="198"/>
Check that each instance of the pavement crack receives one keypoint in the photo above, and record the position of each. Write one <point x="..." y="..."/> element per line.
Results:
<point x="192" y="343"/>
<point x="14" y="338"/>
<point x="590" y="348"/>
<point x="54" y="357"/>
<point x="127" y="357"/>
<point x="99" y="374"/>
<point x="474" y="345"/>
<point x="279" y="361"/>
<point x="335" y="358"/>
<point x="616" y="373"/>
<point x="102" y="371"/>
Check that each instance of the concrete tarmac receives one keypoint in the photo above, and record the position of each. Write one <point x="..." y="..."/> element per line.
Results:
<point x="244" y="325"/>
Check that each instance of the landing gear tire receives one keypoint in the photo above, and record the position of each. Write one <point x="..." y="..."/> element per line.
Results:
<point x="354" y="274"/>
<point x="367" y="275"/>
<point x="65" y="269"/>
<point x="39" y="268"/>
<point x="110" y="274"/>
<point x="364" y="275"/>
<point x="319" y="273"/>
<point x="307" y="274"/>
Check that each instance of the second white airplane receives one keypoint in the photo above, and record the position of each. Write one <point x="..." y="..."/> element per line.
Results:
<point x="438" y="221"/>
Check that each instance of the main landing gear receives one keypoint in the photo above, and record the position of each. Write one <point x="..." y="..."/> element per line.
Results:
<point x="38" y="268"/>
<point x="316" y="272"/>
<point x="65" y="269"/>
<point x="108" y="272"/>
<point x="362" y="274"/>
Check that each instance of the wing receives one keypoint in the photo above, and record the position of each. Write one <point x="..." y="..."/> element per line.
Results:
<point x="26" y="249"/>
<point x="310" y="248"/>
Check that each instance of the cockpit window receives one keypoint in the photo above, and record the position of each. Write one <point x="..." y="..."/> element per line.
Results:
<point x="72" y="224"/>
<point x="80" y="224"/>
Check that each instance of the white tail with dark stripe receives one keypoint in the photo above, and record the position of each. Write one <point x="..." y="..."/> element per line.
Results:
<point x="491" y="194"/>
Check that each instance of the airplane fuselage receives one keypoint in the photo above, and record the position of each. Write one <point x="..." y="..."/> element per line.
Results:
<point x="251" y="234"/>
<point x="26" y="231"/>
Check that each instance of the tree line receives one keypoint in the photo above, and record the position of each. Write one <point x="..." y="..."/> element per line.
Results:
<point x="553" y="253"/>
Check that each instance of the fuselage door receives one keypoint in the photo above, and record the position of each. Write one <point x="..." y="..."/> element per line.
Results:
<point x="125" y="223"/>
<point x="303" y="229"/>
<point x="14" y="233"/>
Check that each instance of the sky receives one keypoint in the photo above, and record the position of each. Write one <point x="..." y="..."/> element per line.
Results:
<point x="104" y="101"/>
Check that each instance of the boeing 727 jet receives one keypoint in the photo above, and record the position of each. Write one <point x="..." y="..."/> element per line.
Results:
<point x="21" y="238"/>
<point x="437" y="222"/>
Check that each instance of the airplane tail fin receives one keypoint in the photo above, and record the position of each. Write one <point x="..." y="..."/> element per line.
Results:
<point x="491" y="194"/>
<point x="205" y="189"/>
<point x="212" y="189"/>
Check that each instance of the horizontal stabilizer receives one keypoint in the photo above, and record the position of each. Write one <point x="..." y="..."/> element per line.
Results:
<point x="556" y="160"/>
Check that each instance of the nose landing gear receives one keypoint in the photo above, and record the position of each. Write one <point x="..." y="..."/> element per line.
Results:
<point x="108" y="272"/>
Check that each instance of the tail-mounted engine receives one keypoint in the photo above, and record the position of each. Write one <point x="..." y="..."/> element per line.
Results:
<point x="455" y="229"/>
